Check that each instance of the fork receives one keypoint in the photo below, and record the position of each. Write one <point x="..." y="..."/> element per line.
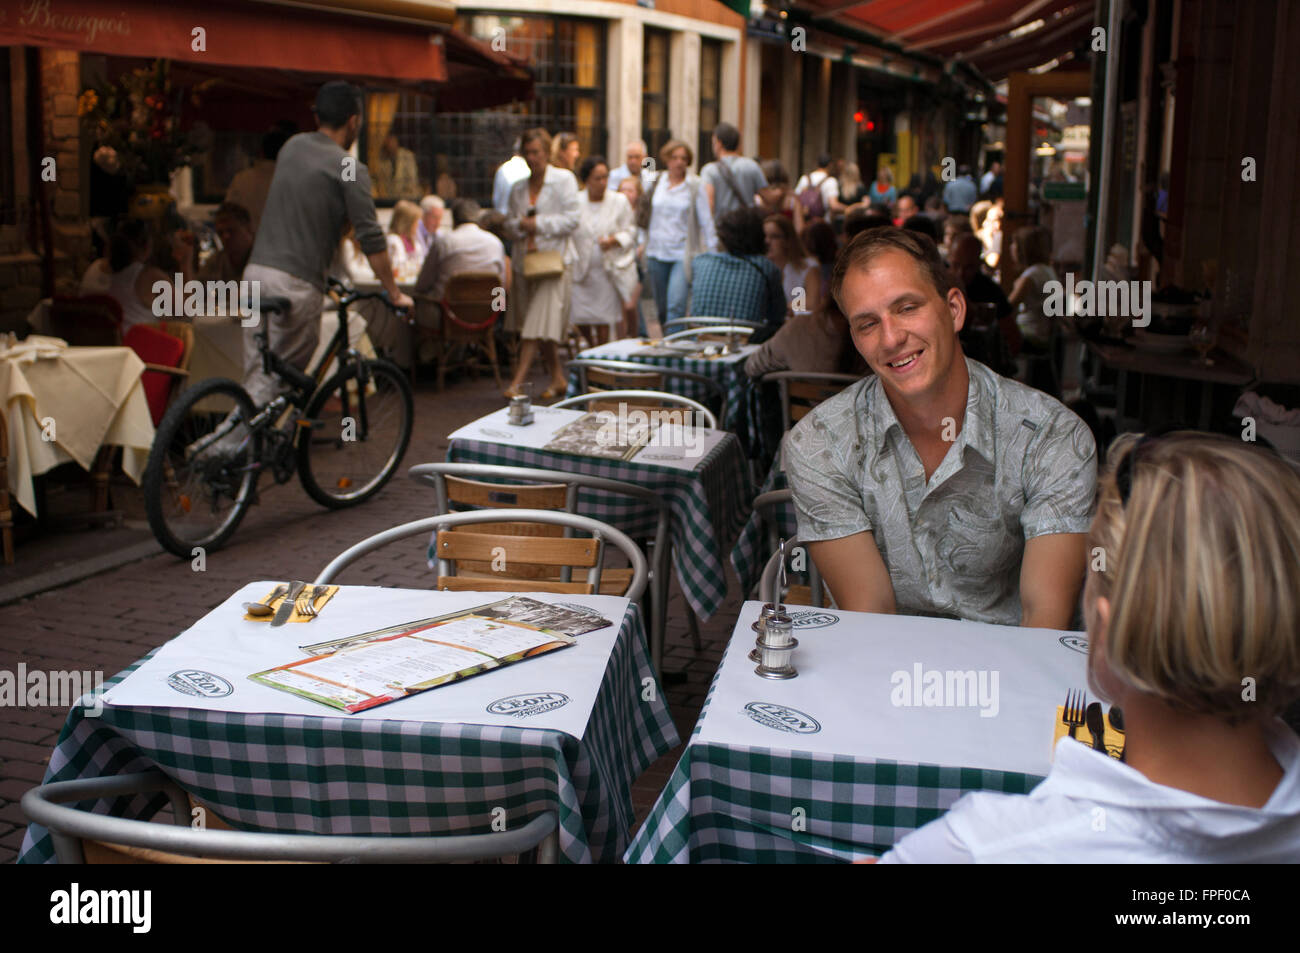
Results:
<point x="1073" y="715"/>
<point x="306" y="604"/>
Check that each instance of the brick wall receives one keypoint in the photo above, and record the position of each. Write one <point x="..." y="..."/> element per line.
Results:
<point x="20" y="268"/>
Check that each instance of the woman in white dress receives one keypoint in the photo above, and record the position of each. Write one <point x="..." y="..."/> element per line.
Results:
<point x="605" y="274"/>
<point x="541" y="216"/>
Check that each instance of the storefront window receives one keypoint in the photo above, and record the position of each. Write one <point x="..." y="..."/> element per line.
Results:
<point x="710" y="97"/>
<point x="654" y="91"/>
<point x="567" y="57"/>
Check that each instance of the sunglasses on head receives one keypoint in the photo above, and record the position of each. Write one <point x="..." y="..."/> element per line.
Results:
<point x="1124" y="472"/>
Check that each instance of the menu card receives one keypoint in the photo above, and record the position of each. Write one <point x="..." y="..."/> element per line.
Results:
<point x="602" y="434"/>
<point x="360" y="672"/>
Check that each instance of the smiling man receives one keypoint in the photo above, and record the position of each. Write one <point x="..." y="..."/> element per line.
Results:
<point x="936" y="487"/>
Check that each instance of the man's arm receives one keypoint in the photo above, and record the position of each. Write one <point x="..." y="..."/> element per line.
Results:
<point x="855" y="573"/>
<point x="1051" y="575"/>
<point x="361" y="213"/>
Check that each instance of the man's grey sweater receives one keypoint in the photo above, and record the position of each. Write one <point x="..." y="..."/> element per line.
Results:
<point x="312" y="195"/>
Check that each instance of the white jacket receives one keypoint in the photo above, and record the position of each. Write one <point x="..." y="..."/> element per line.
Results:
<point x="557" y="216"/>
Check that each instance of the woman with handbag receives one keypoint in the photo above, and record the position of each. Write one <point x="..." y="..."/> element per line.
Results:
<point x="675" y="213"/>
<point x="541" y="218"/>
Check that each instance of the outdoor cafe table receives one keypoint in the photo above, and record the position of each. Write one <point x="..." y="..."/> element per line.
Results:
<point x="843" y="760"/>
<point x="728" y="372"/>
<point x="440" y="762"/>
<point x="708" y="494"/>
<point x="63" y="403"/>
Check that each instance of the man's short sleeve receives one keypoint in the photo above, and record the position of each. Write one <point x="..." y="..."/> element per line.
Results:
<point x="1060" y="478"/>
<point x="827" y="499"/>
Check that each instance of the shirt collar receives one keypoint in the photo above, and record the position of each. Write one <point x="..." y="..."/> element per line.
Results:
<point x="977" y="429"/>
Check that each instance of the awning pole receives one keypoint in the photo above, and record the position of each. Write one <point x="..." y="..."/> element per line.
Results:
<point x="1107" y="136"/>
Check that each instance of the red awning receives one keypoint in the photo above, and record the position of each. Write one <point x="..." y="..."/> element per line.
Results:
<point x="995" y="36"/>
<point x="234" y="33"/>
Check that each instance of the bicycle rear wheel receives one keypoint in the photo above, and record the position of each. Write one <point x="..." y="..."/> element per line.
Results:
<point x="202" y="469"/>
<point x="360" y="428"/>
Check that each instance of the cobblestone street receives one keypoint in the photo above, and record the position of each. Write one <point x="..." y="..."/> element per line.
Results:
<point x="105" y="622"/>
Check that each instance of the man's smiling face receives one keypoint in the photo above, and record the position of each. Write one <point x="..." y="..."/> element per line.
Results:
<point x="902" y="327"/>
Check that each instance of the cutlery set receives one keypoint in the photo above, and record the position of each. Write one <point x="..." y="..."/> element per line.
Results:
<point x="1078" y="712"/>
<point x="295" y="597"/>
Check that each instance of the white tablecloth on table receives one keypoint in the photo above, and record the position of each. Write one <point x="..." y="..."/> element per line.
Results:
<point x="93" y="397"/>
<point x="226" y="645"/>
<point x="847" y="687"/>
<point x="626" y="348"/>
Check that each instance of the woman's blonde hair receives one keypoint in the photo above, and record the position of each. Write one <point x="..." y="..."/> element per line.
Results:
<point x="850" y="177"/>
<point x="1201" y="566"/>
<point x="405" y="215"/>
<point x="561" y="142"/>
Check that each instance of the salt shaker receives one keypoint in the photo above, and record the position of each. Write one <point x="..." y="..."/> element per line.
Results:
<point x="776" y="647"/>
<point x="760" y="626"/>
<point x="521" y="411"/>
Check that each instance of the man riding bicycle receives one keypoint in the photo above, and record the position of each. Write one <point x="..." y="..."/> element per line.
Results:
<point x="317" y="187"/>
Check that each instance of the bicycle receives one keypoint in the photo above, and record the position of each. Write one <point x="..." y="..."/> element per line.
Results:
<point x="345" y="437"/>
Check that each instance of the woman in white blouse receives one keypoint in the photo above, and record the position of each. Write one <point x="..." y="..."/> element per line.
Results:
<point x="542" y="214"/>
<point x="681" y="226"/>
<point x="604" y="277"/>
<point x="1192" y="612"/>
<point x="403" y="244"/>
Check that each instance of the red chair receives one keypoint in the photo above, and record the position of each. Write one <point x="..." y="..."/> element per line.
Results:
<point x="165" y="349"/>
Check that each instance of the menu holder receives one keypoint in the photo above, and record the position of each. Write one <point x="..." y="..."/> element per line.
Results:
<point x="364" y="671"/>
<point x="602" y="434"/>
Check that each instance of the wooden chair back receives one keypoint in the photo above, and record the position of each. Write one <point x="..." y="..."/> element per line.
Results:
<point x="513" y="552"/>
<point x="805" y="395"/>
<point x="463" y="493"/>
<point x="470" y="295"/>
<point x="599" y="378"/>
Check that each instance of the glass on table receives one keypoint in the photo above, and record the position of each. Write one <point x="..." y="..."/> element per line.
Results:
<point x="1203" y="337"/>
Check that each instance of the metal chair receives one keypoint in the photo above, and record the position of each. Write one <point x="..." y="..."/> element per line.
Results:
<point x="814" y="594"/>
<point x="678" y="324"/>
<point x="82" y="837"/>
<point x="584" y="553"/>
<point x="524" y="487"/>
<point x="712" y="388"/>
<point x="720" y="332"/>
<point x="647" y="400"/>
<point x="801" y="391"/>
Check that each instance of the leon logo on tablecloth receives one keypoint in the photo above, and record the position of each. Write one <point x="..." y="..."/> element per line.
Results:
<point x="191" y="681"/>
<point x="772" y="715"/>
<point x="525" y="706"/>
<point x="811" y="619"/>
<point x="1076" y="642"/>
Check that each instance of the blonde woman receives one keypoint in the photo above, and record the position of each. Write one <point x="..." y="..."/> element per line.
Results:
<point x="542" y="214"/>
<point x="565" y="150"/>
<point x="801" y="274"/>
<point x="403" y="240"/>
<point x="1193" y="623"/>
<point x="681" y="227"/>
<point x="882" y="191"/>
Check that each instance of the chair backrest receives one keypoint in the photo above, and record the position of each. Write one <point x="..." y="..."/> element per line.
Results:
<point x="718" y="332"/>
<point x="185" y="332"/>
<point x="73" y="831"/>
<point x="158" y="346"/>
<point x="679" y="324"/>
<point x="647" y="400"/>
<point x="472" y="294"/>
<point x="582" y="552"/>
<point x="801" y="391"/>
<point x="683" y="379"/>
<point x="599" y="379"/>
<point x="814" y="594"/>
<point x="87" y="320"/>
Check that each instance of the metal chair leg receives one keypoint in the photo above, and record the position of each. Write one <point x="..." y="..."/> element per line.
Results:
<point x="694" y="624"/>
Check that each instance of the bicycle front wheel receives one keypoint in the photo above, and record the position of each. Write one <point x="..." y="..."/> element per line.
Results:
<point x="357" y="428"/>
<point x="202" y="468"/>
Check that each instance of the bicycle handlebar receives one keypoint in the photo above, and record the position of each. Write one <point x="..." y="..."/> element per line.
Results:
<point x="348" y="295"/>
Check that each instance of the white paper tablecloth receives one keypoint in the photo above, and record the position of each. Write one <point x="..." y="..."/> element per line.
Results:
<point x="224" y="644"/>
<point x="622" y="349"/>
<point x="845" y="690"/>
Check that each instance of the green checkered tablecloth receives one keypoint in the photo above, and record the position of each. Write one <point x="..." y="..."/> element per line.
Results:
<point x="727" y="804"/>
<point x="709" y="504"/>
<point x="278" y="772"/>
<point x="752" y="550"/>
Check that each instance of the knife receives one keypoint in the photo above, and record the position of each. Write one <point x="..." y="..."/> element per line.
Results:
<point x="286" y="607"/>
<point x="1096" y="727"/>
